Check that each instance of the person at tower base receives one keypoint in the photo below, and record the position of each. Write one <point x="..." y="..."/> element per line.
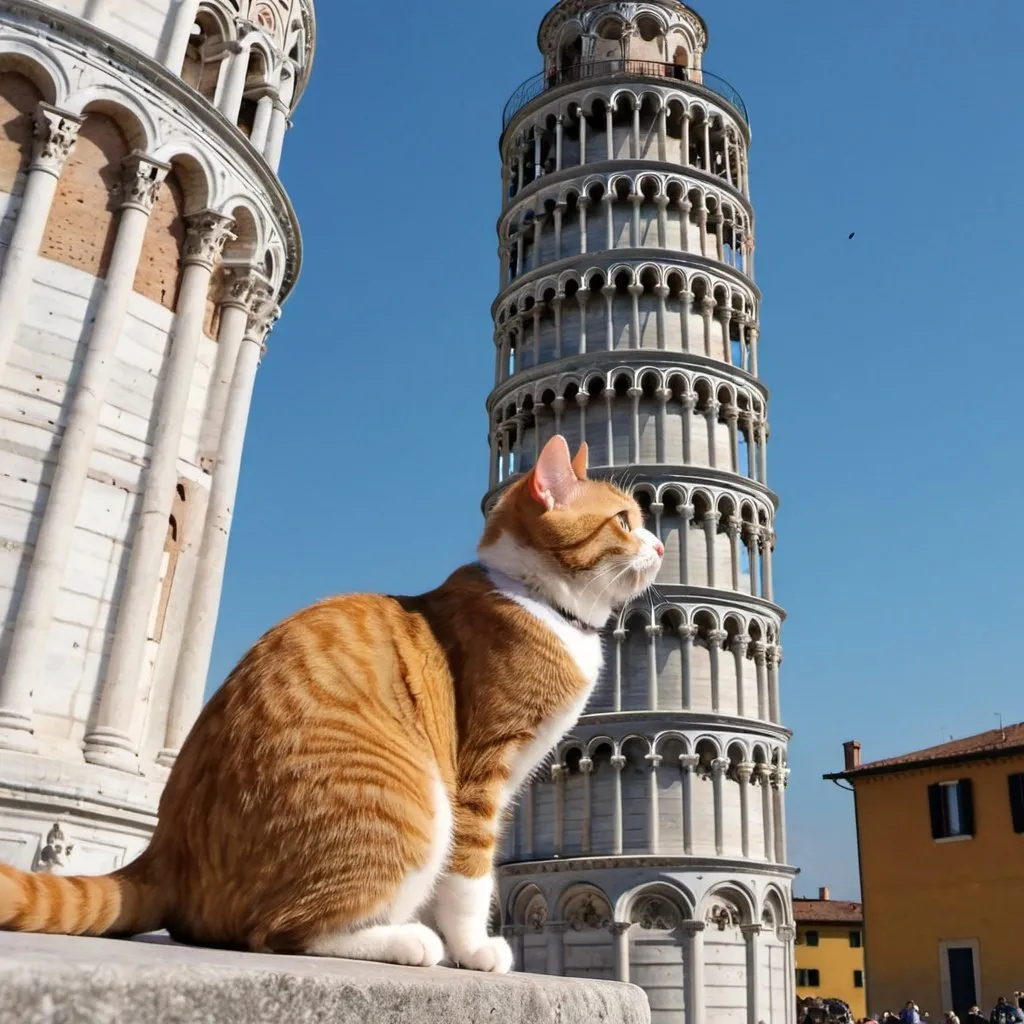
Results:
<point x="341" y="794"/>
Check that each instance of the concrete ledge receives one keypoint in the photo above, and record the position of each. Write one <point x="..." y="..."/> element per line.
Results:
<point x="55" y="979"/>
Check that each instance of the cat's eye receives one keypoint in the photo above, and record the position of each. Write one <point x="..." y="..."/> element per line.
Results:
<point x="623" y="518"/>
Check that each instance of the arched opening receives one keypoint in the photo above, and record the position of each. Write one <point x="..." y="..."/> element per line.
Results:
<point x="82" y="225"/>
<point x="19" y="97"/>
<point x="204" y="55"/>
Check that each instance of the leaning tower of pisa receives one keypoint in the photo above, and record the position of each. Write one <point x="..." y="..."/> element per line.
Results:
<point x="146" y="244"/>
<point x="653" y="847"/>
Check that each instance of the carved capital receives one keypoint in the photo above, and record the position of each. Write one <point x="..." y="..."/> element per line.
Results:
<point x="745" y="770"/>
<point x="653" y="631"/>
<point x="205" y="236"/>
<point x="692" y="928"/>
<point x="689" y="761"/>
<point x="707" y="305"/>
<point x="55" y="134"/>
<point x="711" y="517"/>
<point x="618" y="635"/>
<point x="685" y="512"/>
<point x="717" y="637"/>
<point x="786" y="932"/>
<point x="620" y="927"/>
<point x="263" y="314"/>
<point x="687" y="631"/>
<point x="657" y="508"/>
<point x="752" y="930"/>
<point x="635" y="393"/>
<point x="688" y="402"/>
<point x="586" y="765"/>
<point x="662" y="395"/>
<point x="720" y="765"/>
<point x="760" y="652"/>
<point x="740" y="643"/>
<point x="582" y="398"/>
<point x="141" y="178"/>
<point x="654" y="760"/>
<point x="617" y="761"/>
<point x="763" y="773"/>
<point x="241" y="282"/>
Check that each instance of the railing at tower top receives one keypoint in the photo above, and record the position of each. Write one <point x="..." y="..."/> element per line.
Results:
<point x="533" y="87"/>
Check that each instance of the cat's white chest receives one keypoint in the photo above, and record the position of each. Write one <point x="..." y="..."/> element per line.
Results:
<point x="584" y="647"/>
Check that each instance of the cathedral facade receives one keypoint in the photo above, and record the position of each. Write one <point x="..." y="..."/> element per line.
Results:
<point x="652" y="846"/>
<point x="146" y="245"/>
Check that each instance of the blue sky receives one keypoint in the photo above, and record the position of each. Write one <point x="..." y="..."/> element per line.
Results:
<point x="895" y="359"/>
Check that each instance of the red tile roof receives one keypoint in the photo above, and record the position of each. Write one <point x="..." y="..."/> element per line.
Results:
<point x="995" y="742"/>
<point x="827" y="912"/>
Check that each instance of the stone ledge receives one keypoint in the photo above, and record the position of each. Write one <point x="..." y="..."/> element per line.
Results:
<point x="56" y="979"/>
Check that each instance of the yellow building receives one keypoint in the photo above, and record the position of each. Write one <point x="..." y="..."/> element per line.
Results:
<point x="830" y="951"/>
<point x="941" y="838"/>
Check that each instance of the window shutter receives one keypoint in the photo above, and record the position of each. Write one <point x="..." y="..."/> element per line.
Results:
<point x="965" y="794"/>
<point x="1017" y="801"/>
<point x="937" y="811"/>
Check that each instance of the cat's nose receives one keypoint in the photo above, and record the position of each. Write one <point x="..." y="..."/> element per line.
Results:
<point x="659" y="547"/>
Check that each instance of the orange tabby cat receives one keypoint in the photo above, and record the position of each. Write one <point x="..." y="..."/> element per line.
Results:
<point x="342" y="793"/>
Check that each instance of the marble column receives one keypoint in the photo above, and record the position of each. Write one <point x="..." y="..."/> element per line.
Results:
<point x="587" y="771"/>
<point x="620" y="936"/>
<point x="266" y="98"/>
<point x="780" y="779"/>
<point x="27" y="655"/>
<point x="719" y="767"/>
<point x="751" y="932"/>
<point x="183" y="19"/>
<point x="744" y="771"/>
<point x="556" y="948"/>
<point x="763" y="773"/>
<point x="206" y="235"/>
<point x="688" y="762"/>
<point x="55" y="135"/>
<point x="618" y="762"/>
<point x="694" y="932"/>
<point x="229" y="103"/>
<point x="201" y="619"/>
<point x="653" y="819"/>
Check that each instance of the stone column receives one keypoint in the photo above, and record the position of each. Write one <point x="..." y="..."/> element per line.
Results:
<point x="719" y="767"/>
<point x="620" y="936"/>
<point x="787" y="933"/>
<point x="716" y="637"/>
<point x="694" y="932"/>
<point x="725" y="314"/>
<point x="609" y="128"/>
<point x="751" y="539"/>
<point x="780" y="779"/>
<point x="636" y="131"/>
<point x="707" y="308"/>
<point x="556" y="312"/>
<point x="230" y="100"/>
<point x="27" y="656"/>
<point x="688" y="762"/>
<point x="609" y="201"/>
<point x="740" y="644"/>
<point x="774" y="660"/>
<point x="761" y="665"/>
<point x="635" y="291"/>
<point x="711" y="411"/>
<point x="207" y="232"/>
<point x="634" y="395"/>
<point x="618" y="762"/>
<point x="609" y="412"/>
<point x="265" y="99"/>
<point x="754" y="1011"/>
<point x="661" y="395"/>
<point x="661" y="292"/>
<point x="582" y="296"/>
<point x="685" y="305"/>
<point x="609" y="300"/>
<point x="661" y="202"/>
<point x="687" y="633"/>
<point x="619" y="636"/>
<point x="710" y="522"/>
<point x="732" y="530"/>
<point x="636" y="201"/>
<point x="744" y="771"/>
<point x="764" y="778"/>
<point x="240" y="282"/>
<point x="207" y="586"/>
<point x="662" y="134"/>
<point x="653" y="632"/>
<point x="55" y="135"/>
<point x="732" y="416"/>
<point x="768" y="581"/>
<point x="587" y="771"/>
<point x="558" y="780"/>
<point x="182" y="20"/>
<point x="583" y="139"/>
<point x="685" y="154"/>
<point x="653" y="829"/>
<point x="559" y="131"/>
<point x="556" y="948"/>
<point x="558" y="217"/>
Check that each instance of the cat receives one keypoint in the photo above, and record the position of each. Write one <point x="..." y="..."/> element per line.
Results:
<point x="342" y="794"/>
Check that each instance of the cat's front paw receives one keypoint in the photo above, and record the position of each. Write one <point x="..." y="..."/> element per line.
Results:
<point x="494" y="956"/>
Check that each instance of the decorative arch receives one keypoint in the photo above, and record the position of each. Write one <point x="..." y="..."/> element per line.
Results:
<point x="34" y="62"/>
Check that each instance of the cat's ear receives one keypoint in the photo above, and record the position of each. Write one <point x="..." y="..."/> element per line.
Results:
<point x="553" y="481"/>
<point x="579" y="463"/>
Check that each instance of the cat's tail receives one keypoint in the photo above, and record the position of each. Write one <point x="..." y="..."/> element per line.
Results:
<point x="122" y="903"/>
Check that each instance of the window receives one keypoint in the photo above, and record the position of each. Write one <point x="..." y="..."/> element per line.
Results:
<point x="1017" y="801"/>
<point x="855" y="940"/>
<point x="812" y="938"/>
<point x="951" y="805"/>
<point x="858" y="979"/>
<point x="808" y="978"/>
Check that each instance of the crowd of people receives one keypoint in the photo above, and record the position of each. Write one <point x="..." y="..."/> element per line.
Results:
<point x="1006" y="1011"/>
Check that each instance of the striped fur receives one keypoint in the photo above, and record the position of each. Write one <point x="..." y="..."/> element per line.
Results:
<point x="303" y="814"/>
